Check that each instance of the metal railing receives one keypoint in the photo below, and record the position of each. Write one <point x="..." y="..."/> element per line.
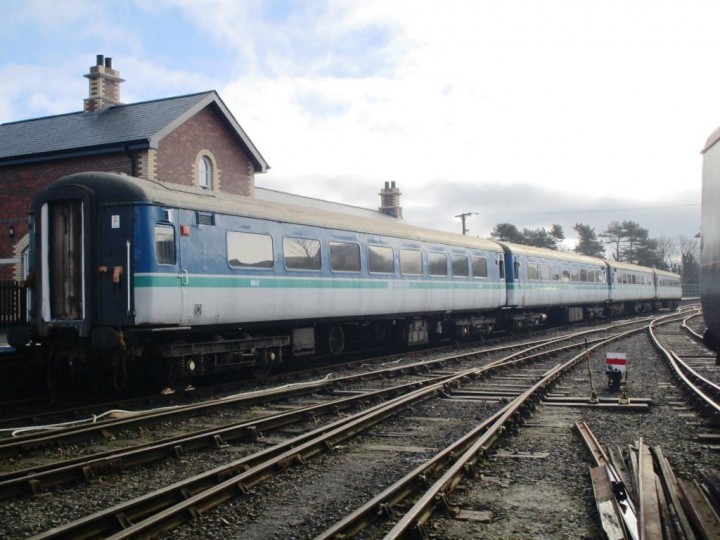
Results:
<point x="13" y="303"/>
<point x="690" y="290"/>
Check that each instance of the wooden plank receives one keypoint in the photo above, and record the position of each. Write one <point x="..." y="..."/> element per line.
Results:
<point x="616" y="406"/>
<point x="530" y="455"/>
<point x="561" y="399"/>
<point x="606" y="504"/>
<point x="672" y="488"/>
<point x="664" y="507"/>
<point x="650" y="526"/>
<point x="698" y="510"/>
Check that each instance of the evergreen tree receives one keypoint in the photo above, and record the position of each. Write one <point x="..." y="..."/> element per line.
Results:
<point x="507" y="232"/>
<point x="588" y="244"/>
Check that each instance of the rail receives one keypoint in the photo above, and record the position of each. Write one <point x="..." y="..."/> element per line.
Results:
<point x="705" y="393"/>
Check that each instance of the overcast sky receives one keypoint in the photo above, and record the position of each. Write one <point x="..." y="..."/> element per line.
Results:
<point x="529" y="112"/>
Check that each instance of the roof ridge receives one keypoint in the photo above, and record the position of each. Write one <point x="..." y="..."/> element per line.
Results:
<point x="116" y="106"/>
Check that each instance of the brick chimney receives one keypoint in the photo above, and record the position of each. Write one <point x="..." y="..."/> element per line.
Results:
<point x="104" y="85"/>
<point x="390" y="200"/>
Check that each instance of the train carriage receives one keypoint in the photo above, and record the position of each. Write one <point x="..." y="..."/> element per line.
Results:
<point x="668" y="289"/>
<point x="710" y="242"/>
<point x="573" y="285"/>
<point x="125" y="263"/>
<point x="632" y="287"/>
<point x="130" y="273"/>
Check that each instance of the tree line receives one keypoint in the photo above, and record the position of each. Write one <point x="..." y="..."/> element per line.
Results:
<point x="624" y="241"/>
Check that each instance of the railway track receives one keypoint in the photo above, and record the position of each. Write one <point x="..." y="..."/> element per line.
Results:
<point x="266" y="454"/>
<point x="321" y="439"/>
<point x="692" y="365"/>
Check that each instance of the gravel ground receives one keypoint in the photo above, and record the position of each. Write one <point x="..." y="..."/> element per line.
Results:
<point x="536" y="497"/>
<point x="536" y="484"/>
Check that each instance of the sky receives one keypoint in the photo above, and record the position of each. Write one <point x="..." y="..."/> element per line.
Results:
<point x="531" y="112"/>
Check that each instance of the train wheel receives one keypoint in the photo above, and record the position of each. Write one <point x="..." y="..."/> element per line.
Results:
<point x="336" y="340"/>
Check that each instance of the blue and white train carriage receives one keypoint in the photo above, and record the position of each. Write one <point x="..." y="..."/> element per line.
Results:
<point x="130" y="272"/>
<point x="574" y="286"/>
<point x="206" y="280"/>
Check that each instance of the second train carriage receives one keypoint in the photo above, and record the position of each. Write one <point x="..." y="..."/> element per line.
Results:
<point x="632" y="288"/>
<point x="573" y="285"/>
<point x="668" y="289"/>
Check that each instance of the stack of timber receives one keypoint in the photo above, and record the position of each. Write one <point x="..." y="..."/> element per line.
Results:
<point x="639" y="497"/>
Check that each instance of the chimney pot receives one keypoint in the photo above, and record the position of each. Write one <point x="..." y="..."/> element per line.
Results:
<point x="387" y="185"/>
<point x="104" y="85"/>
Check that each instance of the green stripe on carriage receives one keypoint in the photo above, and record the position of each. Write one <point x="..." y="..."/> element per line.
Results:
<point x="218" y="282"/>
<point x="549" y="287"/>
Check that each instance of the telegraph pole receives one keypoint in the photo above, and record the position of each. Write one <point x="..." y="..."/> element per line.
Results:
<point x="463" y="217"/>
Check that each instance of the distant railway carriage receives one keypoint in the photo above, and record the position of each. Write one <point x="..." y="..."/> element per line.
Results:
<point x="131" y="273"/>
<point x="668" y="288"/>
<point x="631" y="286"/>
<point x="710" y="243"/>
<point x="574" y="284"/>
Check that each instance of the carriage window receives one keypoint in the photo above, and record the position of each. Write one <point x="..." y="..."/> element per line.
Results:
<point x="344" y="257"/>
<point x="249" y="250"/>
<point x="583" y="274"/>
<point x="165" y="244"/>
<point x="380" y="260"/>
<point x="437" y="264"/>
<point x="460" y="266"/>
<point x="501" y="264"/>
<point x="410" y="262"/>
<point x="480" y="269"/>
<point x="533" y="272"/>
<point x="565" y="275"/>
<point x="545" y="272"/>
<point x="556" y="273"/>
<point x="575" y="276"/>
<point x="301" y="253"/>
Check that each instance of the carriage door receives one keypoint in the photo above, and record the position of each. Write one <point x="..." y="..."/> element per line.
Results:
<point x="114" y="267"/>
<point x="63" y="253"/>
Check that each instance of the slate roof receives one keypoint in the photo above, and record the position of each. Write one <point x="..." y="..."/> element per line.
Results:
<point x="291" y="199"/>
<point x="120" y="127"/>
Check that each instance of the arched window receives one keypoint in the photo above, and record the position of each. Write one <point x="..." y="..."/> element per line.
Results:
<point x="205" y="173"/>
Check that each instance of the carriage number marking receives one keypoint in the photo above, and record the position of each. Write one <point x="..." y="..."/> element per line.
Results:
<point x="254" y="282"/>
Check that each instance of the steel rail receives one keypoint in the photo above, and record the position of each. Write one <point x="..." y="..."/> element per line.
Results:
<point x="414" y="520"/>
<point x="695" y="335"/>
<point x="15" y="446"/>
<point x="691" y="380"/>
<point x="472" y="446"/>
<point x="168" y="507"/>
<point x="37" y="479"/>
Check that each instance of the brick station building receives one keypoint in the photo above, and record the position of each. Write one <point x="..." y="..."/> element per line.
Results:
<point x="189" y="140"/>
